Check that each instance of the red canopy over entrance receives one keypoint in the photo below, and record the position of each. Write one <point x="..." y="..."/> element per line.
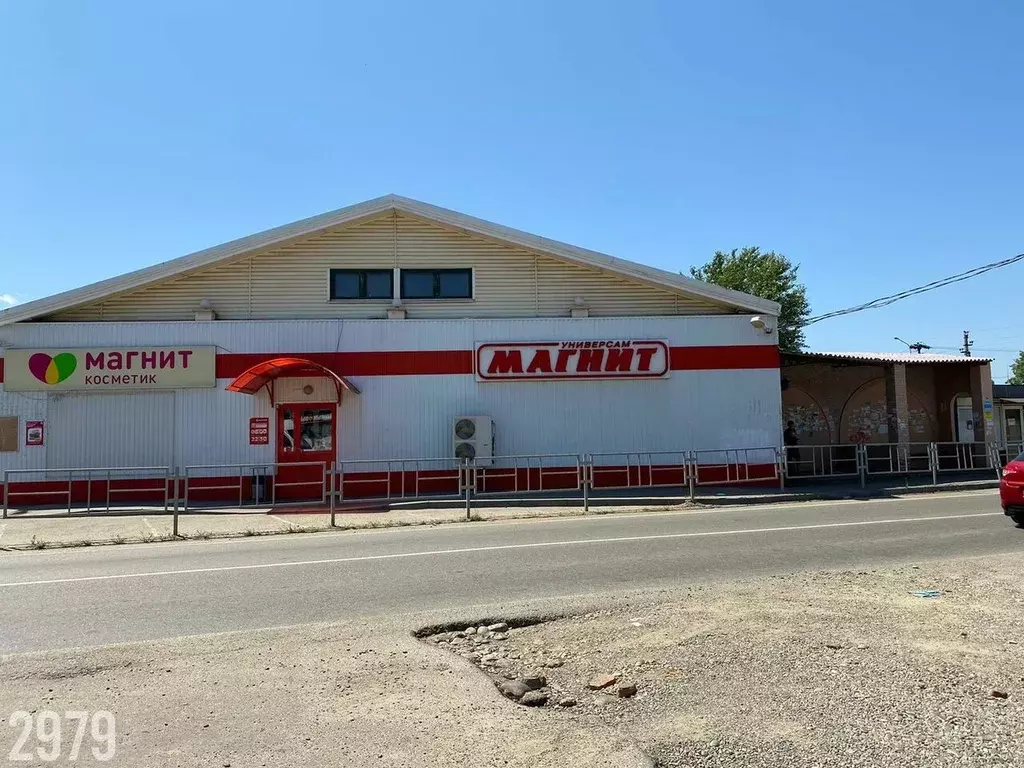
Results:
<point x="262" y="374"/>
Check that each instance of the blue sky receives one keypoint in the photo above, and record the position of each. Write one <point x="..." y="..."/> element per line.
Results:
<point x="877" y="144"/>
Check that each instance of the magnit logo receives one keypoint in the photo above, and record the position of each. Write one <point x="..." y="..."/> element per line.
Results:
<point x="52" y="370"/>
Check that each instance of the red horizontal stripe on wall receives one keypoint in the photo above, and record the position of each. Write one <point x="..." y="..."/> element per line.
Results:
<point x="442" y="362"/>
<point x="425" y="363"/>
<point x="723" y="358"/>
<point x="459" y="361"/>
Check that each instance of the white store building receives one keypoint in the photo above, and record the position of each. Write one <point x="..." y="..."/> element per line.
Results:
<point x="368" y="333"/>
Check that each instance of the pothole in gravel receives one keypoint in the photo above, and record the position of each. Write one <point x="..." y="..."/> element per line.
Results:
<point x="528" y="672"/>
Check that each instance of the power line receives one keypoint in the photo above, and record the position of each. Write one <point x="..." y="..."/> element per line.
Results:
<point x="977" y="349"/>
<point x="885" y="301"/>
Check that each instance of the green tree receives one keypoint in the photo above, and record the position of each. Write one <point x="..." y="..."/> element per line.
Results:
<point x="1017" y="370"/>
<point x="769" y="275"/>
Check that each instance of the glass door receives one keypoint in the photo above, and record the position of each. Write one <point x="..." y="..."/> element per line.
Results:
<point x="306" y="435"/>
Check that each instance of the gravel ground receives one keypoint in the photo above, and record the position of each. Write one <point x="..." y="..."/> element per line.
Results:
<point x="823" y="669"/>
<point x="832" y="669"/>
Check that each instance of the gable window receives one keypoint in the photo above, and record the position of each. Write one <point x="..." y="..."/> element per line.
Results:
<point x="437" y="283"/>
<point x="362" y="284"/>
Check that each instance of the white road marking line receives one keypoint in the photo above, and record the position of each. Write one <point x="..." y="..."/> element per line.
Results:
<point x="577" y="518"/>
<point x="152" y="528"/>
<point x="280" y="520"/>
<point x="494" y="548"/>
<point x="3" y="527"/>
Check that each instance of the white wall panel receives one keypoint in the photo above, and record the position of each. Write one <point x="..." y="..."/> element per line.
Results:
<point x="26" y="406"/>
<point x="292" y="336"/>
<point x="110" y="430"/>
<point x="213" y="427"/>
<point x="411" y="416"/>
<point x="403" y="416"/>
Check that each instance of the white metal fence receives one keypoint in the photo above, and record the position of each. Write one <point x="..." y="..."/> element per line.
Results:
<point x="878" y="460"/>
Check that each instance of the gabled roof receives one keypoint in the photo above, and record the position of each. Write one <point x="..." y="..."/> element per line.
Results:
<point x="226" y="252"/>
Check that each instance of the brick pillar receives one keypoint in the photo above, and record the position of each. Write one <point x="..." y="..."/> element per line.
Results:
<point x="896" y="403"/>
<point x="981" y="403"/>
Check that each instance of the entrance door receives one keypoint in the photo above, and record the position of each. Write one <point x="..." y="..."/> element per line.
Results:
<point x="306" y="434"/>
<point x="964" y="420"/>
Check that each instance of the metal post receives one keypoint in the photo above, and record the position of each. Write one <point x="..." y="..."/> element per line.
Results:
<point x="862" y="464"/>
<point x="331" y="503"/>
<point x="184" y="490"/>
<point x="780" y="462"/>
<point x="933" y="459"/>
<point x="693" y="478"/>
<point x="586" y="483"/>
<point x="70" y="472"/>
<point x="174" y="492"/>
<point x="108" y="491"/>
<point x="174" y="515"/>
<point x="468" y="492"/>
<point x="7" y="493"/>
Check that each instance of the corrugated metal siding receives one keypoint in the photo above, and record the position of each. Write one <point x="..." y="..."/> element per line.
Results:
<point x="407" y="416"/>
<point x="212" y="427"/>
<point x="293" y="336"/>
<point x="291" y="282"/>
<point x="559" y="283"/>
<point x="24" y="405"/>
<point x="110" y="430"/>
<point x="411" y="416"/>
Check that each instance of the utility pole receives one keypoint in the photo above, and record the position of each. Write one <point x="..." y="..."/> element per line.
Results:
<point x="966" y="348"/>
<point x="915" y="347"/>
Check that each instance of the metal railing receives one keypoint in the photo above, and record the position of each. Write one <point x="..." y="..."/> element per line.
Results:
<point x="868" y="460"/>
<point x="733" y="464"/>
<point x="897" y="458"/>
<point x="527" y="473"/>
<point x="389" y="480"/>
<point x="806" y="461"/>
<point x="1007" y="451"/>
<point x="639" y="469"/>
<point x="77" y="486"/>
<point x="252" y="481"/>
<point x="962" y="457"/>
<point x="397" y="478"/>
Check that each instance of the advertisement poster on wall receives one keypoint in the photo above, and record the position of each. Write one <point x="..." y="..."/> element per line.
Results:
<point x="34" y="433"/>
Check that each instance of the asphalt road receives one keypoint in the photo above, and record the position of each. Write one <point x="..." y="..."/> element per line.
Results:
<point x="85" y="597"/>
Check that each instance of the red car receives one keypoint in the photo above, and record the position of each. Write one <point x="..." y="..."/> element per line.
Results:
<point x="1011" y="490"/>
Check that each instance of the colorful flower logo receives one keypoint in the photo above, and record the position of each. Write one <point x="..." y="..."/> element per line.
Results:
<point x="52" y="370"/>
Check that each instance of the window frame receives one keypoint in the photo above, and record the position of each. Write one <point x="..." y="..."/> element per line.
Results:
<point x="363" y="274"/>
<point x="436" y="275"/>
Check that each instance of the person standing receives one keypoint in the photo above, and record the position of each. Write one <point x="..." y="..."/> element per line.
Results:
<point x="791" y="442"/>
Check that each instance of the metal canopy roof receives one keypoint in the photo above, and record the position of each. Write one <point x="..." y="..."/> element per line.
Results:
<point x="253" y="379"/>
<point x="910" y="358"/>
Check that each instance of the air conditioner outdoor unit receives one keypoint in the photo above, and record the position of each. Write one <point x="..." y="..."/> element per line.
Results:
<point x="473" y="438"/>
